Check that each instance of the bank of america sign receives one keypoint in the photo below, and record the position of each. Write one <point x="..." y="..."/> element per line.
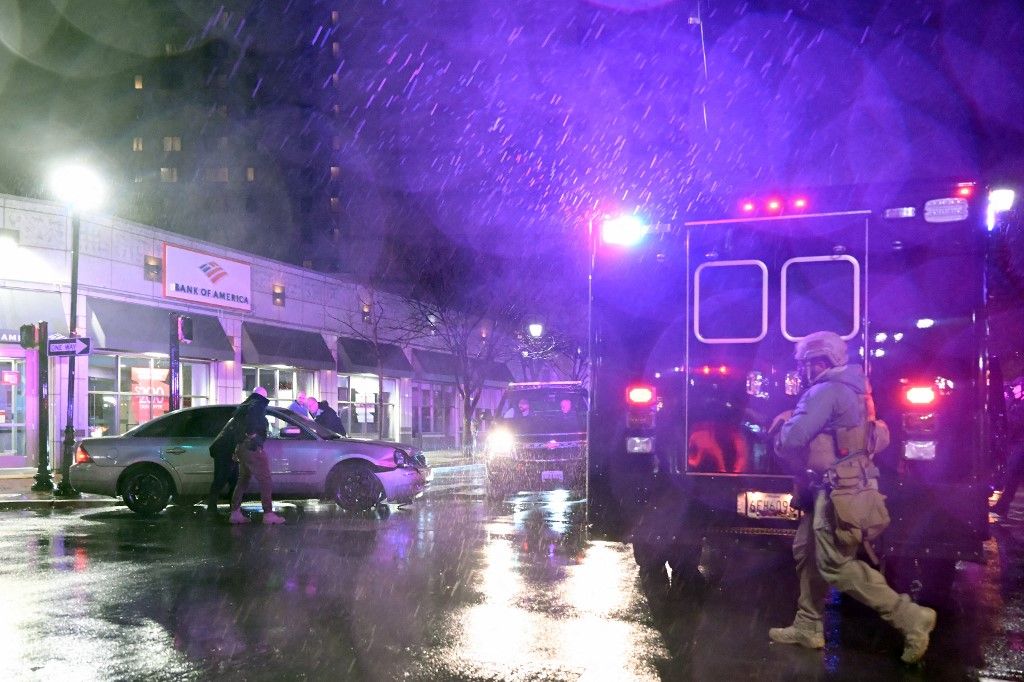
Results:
<point x="204" y="278"/>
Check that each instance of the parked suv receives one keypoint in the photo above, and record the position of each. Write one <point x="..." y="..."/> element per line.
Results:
<point x="538" y="438"/>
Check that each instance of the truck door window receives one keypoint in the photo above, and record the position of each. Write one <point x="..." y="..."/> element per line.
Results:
<point x="730" y="301"/>
<point x="820" y="293"/>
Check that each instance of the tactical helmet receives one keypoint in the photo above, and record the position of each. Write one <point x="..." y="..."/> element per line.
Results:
<point x="828" y="345"/>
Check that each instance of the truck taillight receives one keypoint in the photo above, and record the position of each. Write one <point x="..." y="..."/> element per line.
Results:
<point x="82" y="456"/>
<point x="640" y="395"/>
<point x="919" y="396"/>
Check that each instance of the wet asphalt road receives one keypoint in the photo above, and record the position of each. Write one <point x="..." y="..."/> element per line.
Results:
<point x="451" y="587"/>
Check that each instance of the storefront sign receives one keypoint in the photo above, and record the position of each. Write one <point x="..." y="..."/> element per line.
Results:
<point x="204" y="278"/>
<point x="10" y="378"/>
<point x="149" y="393"/>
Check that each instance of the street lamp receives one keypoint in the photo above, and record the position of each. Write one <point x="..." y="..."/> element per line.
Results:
<point x="536" y="329"/>
<point x="80" y="189"/>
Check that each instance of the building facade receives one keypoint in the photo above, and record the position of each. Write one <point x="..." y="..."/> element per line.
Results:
<point x="257" y="322"/>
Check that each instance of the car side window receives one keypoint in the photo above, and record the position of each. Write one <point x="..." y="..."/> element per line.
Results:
<point x="207" y="423"/>
<point x="169" y="426"/>
<point x="285" y="430"/>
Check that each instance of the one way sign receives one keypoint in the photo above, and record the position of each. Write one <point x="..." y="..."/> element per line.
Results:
<point x="80" y="345"/>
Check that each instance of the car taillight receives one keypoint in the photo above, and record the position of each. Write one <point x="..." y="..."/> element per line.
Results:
<point x="640" y="395"/>
<point x="82" y="456"/>
<point x="919" y="396"/>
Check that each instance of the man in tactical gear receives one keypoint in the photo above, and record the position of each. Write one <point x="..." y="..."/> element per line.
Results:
<point x="827" y="436"/>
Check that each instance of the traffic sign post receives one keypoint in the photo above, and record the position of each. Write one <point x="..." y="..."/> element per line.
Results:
<point x="78" y="345"/>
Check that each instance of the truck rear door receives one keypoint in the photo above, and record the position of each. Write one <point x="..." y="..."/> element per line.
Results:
<point x="755" y="286"/>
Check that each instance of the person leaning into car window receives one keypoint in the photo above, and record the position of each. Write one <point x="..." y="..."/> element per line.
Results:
<point x="252" y="459"/>
<point x="328" y="418"/>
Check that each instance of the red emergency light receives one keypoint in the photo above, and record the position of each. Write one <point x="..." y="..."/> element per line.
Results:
<point x="800" y="203"/>
<point x="919" y="395"/>
<point x="640" y="395"/>
<point x="747" y="206"/>
<point x="774" y="205"/>
<point x="708" y="370"/>
<point x="964" y="189"/>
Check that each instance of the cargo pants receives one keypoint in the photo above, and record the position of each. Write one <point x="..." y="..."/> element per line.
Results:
<point x="821" y="562"/>
<point x="252" y="463"/>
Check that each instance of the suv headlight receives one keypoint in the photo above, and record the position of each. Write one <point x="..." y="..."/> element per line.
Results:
<point x="500" y="442"/>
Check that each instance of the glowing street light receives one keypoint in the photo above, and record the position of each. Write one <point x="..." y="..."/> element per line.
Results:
<point x="80" y="189"/>
<point x="536" y="329"/>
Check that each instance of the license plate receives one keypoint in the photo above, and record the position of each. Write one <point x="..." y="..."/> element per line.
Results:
<point x="757" y="505"/>
<point x="551" y="476"/>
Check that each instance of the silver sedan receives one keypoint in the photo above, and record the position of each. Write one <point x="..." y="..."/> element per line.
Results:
<point x="170" y="457"/>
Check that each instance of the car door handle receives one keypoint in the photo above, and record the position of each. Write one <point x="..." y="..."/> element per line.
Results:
<point x="174" y="451"/>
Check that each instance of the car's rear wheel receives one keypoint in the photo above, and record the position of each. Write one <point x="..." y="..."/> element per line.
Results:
<point x="146" y="490"/>
<point x="354" y="487"/>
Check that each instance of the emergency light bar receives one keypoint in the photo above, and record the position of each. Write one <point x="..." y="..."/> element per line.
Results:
<point x="774" y="205"/>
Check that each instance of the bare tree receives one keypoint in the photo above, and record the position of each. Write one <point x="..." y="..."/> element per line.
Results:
<point x="381" y="322"/>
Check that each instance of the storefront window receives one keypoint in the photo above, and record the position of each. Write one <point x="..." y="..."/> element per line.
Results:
<point x="357" y="405"/>
<point x="12" y="407"/>
<point x="432" y="407"/>
<point x="127" y="390"/>
<point x="283" y="384"/>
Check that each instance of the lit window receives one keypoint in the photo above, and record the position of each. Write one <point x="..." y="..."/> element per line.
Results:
<point x="335" y="203"/>
<point x="172" y="144"/>
<point x="335" y="16"/>
<point x="169" y="174"/>
<point x="335" y="78"/>
<point x="335" y="172"/>
<point x="336" y="108"/>
<point x="335" y="48"/>
<point x="138" y="81"/>
<point x="217" y="174"/>
<point x="136" y="144"/>
<point x="250" y="174"/>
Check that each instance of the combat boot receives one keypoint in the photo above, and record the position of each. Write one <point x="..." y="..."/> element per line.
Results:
<point x="917" y="628"/>
<point x="805" y="637"/>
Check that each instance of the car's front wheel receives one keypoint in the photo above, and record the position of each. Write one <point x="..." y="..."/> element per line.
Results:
<point x="354" y="487"/>
<point x="146" y="490"/>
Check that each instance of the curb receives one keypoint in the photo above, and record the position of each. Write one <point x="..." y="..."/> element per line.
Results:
<point x="10" y="505"/>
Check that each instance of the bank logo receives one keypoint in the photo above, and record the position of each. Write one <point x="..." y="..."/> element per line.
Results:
<point x="213" y="271"/>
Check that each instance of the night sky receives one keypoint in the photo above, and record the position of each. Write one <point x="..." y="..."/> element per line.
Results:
<point x="503" y="124"/>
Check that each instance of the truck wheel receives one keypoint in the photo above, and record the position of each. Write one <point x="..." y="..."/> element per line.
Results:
<point x="146" y="489"/>
<point x="354" y="487"/>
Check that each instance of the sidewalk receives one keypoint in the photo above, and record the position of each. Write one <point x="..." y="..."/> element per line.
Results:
<point x="16" y="493"/>
<point x="443" y="459"/>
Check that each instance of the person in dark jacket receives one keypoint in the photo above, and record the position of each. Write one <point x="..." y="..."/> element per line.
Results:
<point x="329" y="419"/>
<point x="222" y="449"/>
<point x="252" y="459"/>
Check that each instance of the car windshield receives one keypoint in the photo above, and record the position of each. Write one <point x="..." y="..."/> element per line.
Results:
<point x="545" y="411"/>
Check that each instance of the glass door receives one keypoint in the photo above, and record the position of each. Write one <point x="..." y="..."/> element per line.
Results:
<point x="12" y="413"/>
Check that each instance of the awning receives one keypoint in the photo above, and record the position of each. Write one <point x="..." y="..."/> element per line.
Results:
<point x="263" y="344"/>
<point x="357" y="356"/>
<point x="435" y="366"/>
<point x="498" y="372"/>
<point x="134" y="328"/>
<point x="18" y="307"/>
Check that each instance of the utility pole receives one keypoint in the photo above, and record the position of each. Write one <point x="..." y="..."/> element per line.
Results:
<point x="44" y="483"/>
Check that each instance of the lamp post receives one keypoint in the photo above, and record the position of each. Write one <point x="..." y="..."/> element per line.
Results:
<point x="79" y="189"/>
